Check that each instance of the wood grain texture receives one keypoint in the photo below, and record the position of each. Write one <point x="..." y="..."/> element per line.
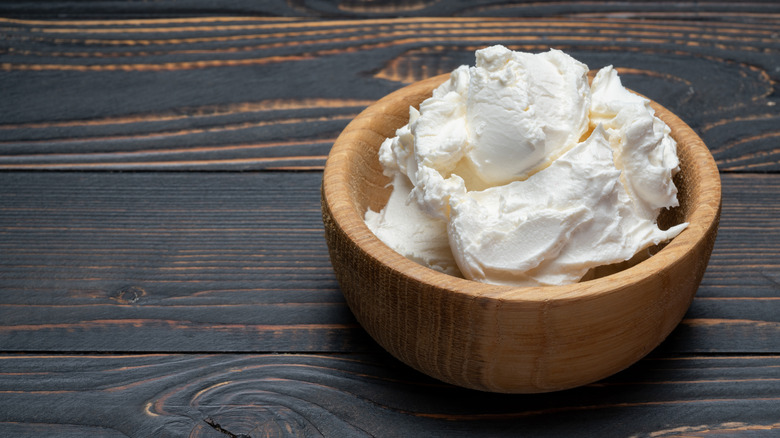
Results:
<point x="238" y="262"/>
<point x="755" y="10"/>
<point x="230" y="93"/>
<point x="197" y="262"/>
<point x="495" y="337"/>
<point x="371" y="395"/>
<point x="84" y="258"/>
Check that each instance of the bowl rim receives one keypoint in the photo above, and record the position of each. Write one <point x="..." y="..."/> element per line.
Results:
<point x="703" y="216"/>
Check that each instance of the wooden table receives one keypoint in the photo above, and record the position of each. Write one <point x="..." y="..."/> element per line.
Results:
<point x="163" y="270"/>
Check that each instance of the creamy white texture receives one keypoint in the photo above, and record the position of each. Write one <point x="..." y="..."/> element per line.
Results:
<point x="414" y="234"/>
<point x="522" y="109"/>
<point x="643" y="149"/>
<point x="491" y="177"/>
<point x="554" y="226"/>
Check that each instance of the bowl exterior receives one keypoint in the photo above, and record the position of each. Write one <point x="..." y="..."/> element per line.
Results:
<point x="499" y="338"/>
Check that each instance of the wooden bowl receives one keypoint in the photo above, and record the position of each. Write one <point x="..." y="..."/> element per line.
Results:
<point x="501" y="338"/>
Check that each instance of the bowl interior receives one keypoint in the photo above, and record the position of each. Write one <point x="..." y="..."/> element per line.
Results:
<point x="697" y="182"/>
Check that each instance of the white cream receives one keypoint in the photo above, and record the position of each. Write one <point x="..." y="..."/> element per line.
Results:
<point x="643" y="149"/>
<point x="554" y="226"/>
<point x="522" y="110"/>
<point x="411" y="232"/>
<point x="491" y="179"/>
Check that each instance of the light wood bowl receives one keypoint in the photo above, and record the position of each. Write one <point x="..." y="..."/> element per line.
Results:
<point x="501" y="338"/>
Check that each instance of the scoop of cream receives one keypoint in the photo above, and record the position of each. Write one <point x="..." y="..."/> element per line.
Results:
<point x="491" y="179"/>
<point x="411" y="232"/>
<point x="572" y="216"/>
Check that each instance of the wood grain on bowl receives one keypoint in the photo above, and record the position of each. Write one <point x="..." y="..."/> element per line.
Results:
<point x="500" y="338"/>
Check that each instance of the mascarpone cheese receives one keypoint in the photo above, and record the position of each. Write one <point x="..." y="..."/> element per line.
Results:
<point x="517" y="171"/>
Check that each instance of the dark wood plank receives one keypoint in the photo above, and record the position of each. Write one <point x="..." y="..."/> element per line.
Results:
<point x="95" y="265"/>
<point x="712" y="9"/>
<point x="372" y="395"/>
<point x="237" y="262"/>
<point x="221" y="93"/>
<point x="202" y="262"/>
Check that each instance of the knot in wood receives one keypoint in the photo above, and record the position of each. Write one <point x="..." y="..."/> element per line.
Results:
<point x="128" y="295"/>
